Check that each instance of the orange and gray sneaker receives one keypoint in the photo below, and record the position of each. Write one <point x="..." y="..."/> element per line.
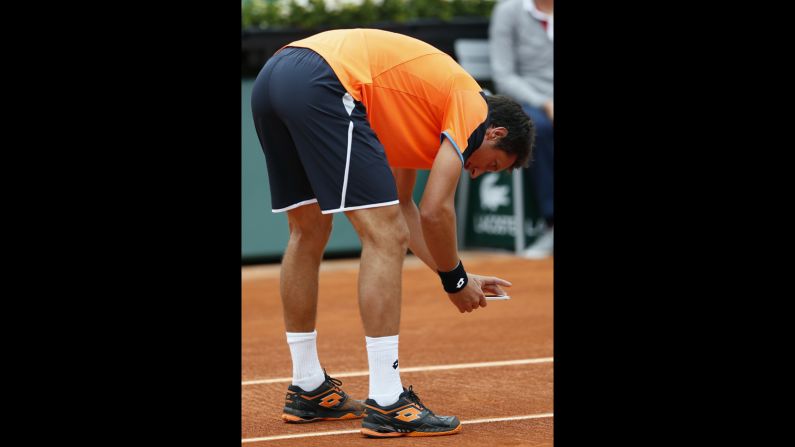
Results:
<point x="406" y="417"/>
<point x="325" y="403"/>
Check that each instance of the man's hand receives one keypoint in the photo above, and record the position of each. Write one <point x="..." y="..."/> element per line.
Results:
<point x="490" y="284"/>
<point x="548" y="107"/>
<point x="473" y="295"/>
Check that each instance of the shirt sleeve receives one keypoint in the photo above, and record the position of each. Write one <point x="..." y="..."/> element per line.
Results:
<point x="465" y="114"/>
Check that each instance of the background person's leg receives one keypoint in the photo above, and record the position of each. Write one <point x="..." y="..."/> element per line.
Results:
<point x="309" y="233"/>
<point x="384" y="237"/>
<point x="542" y="176"/>
<point x="542" y="168"/>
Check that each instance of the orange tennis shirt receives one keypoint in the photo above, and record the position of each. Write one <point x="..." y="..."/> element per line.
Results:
<point x="415" y="95"/>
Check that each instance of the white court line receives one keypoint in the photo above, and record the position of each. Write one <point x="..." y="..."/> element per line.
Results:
<point x="417" y="369"/>
<point x="345" y="432"/>
<point x="510" y="418"/>
<point x="301" y="435"/>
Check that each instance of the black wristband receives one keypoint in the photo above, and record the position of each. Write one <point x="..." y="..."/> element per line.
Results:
<point x="454" y="280"/>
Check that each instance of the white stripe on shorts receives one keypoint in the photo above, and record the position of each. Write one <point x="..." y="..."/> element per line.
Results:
<point x="347" y="101"/>
<point x="295" y="205"/>
<point x="351" y="208"/>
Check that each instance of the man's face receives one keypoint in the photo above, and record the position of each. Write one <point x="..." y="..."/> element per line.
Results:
<point x="489" y="158"/>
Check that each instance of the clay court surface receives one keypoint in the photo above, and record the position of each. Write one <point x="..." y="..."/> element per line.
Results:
<point x="492" y="368"/>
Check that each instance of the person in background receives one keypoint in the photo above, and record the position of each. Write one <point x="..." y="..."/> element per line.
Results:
<point x="521" y="46"/>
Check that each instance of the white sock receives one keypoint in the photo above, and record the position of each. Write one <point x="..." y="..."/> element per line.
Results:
<point x="307" y="372"/>
<point x="382" y="355"/>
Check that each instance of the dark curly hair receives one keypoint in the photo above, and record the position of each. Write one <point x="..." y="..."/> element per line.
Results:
<point x="507" y="113"/>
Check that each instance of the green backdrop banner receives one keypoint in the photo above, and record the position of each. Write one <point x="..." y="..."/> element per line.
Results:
<point x="490" y="219"/>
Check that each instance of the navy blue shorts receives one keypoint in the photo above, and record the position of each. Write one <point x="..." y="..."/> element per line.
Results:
<point x="318" y="144"/>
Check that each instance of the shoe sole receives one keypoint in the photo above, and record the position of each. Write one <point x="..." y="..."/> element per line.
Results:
<point x="375" y="434"/>
<point x="292" y="419"/>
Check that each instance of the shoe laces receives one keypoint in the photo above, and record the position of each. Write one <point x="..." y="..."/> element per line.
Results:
<point x="336" y="382"/>
<point x="412" y="396"/>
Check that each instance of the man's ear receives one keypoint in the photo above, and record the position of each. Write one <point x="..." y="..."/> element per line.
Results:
<point x="497" y="133"/>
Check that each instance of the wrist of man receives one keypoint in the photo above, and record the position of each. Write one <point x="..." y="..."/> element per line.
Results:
<point x="455" y="280"/>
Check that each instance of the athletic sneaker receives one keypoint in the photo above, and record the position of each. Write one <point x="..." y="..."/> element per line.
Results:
<point x="406" y="417"/>
<point x="542" y="247"/>
<point x="325" y="403"/>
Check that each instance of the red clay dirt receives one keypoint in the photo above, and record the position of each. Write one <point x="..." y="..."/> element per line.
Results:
<point x="432" y="332"/>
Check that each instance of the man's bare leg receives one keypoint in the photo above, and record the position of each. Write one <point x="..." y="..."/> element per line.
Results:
<point x="384" y="237"/>
<point x="309" y="233"/>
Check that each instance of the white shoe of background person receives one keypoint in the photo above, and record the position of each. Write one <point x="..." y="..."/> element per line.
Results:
<point x="542" y="247"/>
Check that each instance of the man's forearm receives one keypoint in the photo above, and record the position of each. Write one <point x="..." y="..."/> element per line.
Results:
<point x="416" y="240"/>
<point x="439" y="231"/>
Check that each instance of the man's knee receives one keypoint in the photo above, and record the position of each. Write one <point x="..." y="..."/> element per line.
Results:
<point x="401" y="231"/>
<point x="309" y="224"/>
<point x="382" y="226"/>
<point x="320" y="230"/>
